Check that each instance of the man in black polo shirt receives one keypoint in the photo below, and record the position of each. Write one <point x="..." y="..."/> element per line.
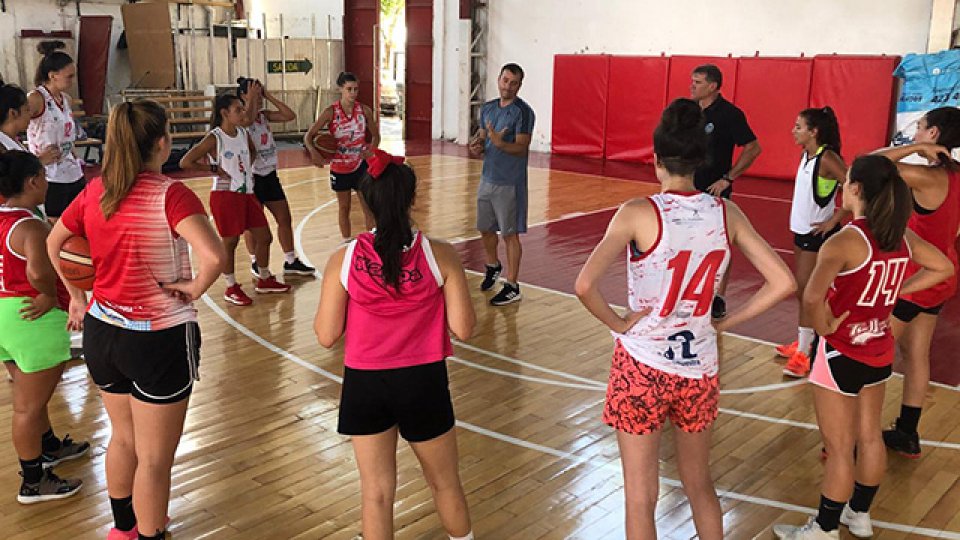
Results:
<point x="726" y="127"/>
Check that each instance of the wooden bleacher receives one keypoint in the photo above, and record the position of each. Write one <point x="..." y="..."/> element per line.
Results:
<point x="189" y="116"/>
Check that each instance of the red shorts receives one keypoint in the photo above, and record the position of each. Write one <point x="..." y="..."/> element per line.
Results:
<point x="234" y="212"/>
<point x="641" y="398"/>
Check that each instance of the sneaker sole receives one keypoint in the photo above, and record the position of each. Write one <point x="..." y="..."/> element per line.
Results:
<point x="271" y="291"/>
<point x="299" y="273"/>
<point x="908" y="455"/>
<point x="236" y="302"/>
<point x="511" y="301"/>
<point x="44" y="498"/>
<point x="71" y="457"/>
<point x="789" y="373"/>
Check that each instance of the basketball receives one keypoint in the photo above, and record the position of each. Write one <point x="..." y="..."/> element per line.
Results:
<point x="75" y="262"/>
<point x="325" y="143"/>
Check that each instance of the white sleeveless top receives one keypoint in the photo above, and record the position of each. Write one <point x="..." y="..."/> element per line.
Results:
<point x="266" y="161"/>
<point x="11" y="144"/>
<point x="56" y="126"/>
<point x="677" y="278"/>
<point x="814" y="198"/>
<point x="233" y="156"/>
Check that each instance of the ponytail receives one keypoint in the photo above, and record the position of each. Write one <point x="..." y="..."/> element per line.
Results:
<point x="53" y="60"/>
<point x="132" y="131"/>
<point x="390" y="197"/>
<point x="887" y="197"/>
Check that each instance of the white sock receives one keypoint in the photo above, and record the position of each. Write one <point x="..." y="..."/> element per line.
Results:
<point x="289" y="256"/>
<point x="805" y="337"/>
<point x="231" y="279"/>
<point x="253" y="258"/>
<point x="469" y="536"/>
<point x="264" y="272"/>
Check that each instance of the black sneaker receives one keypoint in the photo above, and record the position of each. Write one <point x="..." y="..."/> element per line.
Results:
<point x="69" y="449"/>
<point x="719" y="308"/>
<point x="254" y="269"/>
<point x="298" y="268"/>
<point x="50" y="488"/>
<point x="907" y="444"/>
<point x="490" y="277"/>
<point x="507" y="295"/>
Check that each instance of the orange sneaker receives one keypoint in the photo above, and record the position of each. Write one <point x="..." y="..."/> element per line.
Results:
<point x="798" y="365"/>
<point x="787" y="350"/>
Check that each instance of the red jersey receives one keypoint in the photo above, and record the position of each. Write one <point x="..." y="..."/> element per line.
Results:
<point x="136" y="250"/>
<point x="351" y="132"/>
<point x="940" y="228"/>
<point x="13" y="266"/>
<point x="868" y="292"/>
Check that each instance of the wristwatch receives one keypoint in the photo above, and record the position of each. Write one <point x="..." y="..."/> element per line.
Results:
<point x="726" y="177"/>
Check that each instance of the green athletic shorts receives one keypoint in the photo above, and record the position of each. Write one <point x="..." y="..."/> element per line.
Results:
<point x="33" y="345"/>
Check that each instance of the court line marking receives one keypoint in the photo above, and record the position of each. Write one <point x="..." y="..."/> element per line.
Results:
<point x="578" y="460"/>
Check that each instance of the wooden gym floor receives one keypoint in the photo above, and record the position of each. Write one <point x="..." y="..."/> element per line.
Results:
<point x="261" y="459"/>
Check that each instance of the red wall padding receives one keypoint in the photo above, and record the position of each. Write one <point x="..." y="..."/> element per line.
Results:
<point x="682" y="66"/>
<point x="860" y="91"/>
<point x="579" y="104"/>
<point x="636" y="97"/>
<point x="771" y="91"/>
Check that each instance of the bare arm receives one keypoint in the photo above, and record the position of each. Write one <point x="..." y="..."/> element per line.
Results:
<point x="460" y="315"/>
<point x="374" y="126"/>
<point x="936" y="267"/>
<point x="778" y="280"/>
<point x="35" y="101"/>
<point x="918" y="177"/>
<point x="833" y="167"/>
<point x="252" y="146"/>
<point x="283" y="113"/>
<point x="830" y="261"/>
<point x="195" y="158"/>
<point x="208" y="251"/>
<point x="322" y="121"/>
<point x="30" y="239"/>
<point x="331" y="318"/>
<point x="750" y="152"/>
<point x="78" y="298"/>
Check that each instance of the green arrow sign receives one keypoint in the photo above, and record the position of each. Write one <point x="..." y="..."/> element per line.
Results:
<point x="292" y="66"/>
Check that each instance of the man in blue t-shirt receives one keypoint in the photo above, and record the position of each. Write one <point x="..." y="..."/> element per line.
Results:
<point x="506" y="126"/>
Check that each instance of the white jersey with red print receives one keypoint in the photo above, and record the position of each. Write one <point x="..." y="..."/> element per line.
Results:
<point x="869" y="293"/>
<point x="676" y="277"/>
<point x="233" y="156"/>
<point x="350" y="132"/>
<point x="55" y="126"/>
<point x="266" y="161"/>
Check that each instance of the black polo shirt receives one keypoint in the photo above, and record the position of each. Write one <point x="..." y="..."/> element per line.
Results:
<point x="726" y="127"/>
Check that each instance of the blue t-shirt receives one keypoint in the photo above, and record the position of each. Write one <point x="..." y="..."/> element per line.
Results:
<point x="499" y="167"/>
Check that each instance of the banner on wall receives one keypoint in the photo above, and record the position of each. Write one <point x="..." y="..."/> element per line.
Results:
<point x="929" y="81"/>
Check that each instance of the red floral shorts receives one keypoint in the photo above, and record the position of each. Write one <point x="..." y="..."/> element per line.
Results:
<point x="641" y="398"/>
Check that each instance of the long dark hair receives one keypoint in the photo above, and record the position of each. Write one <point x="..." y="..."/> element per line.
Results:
<point x="223" y="101"/>
<point x="947" y="120"/>
<point x="679" y="139"/>
<point x="824" y="120"/>
<point x="16" y="166"/>
<point x="53" y="60"/>
<point x="12" y="97"/>
<point x="390" y="197"/>
<point x="887" y="198"/>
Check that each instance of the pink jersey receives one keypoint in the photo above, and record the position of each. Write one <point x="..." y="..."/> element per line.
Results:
<point x="869" y="293"/>
<point x="387" y="330"/>
<point x="350" y="131"/>
<point x="676" y="277"/>
<point x="136" y="250"/>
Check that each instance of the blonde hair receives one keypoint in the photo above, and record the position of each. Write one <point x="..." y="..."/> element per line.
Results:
<point x="132" y="130"/>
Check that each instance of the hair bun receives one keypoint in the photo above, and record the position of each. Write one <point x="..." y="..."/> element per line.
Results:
<point x="49" y="47"/>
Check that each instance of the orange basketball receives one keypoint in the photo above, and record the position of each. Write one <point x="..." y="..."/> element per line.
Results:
<point x="75" y="262"/>
<point x="325" y="143"/>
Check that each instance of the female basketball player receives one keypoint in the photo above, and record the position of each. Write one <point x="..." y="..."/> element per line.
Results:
<point x="849" y="297"/>
<point x="394" y="293"/>
<point x="266" y="184"/>
<point x="813" y="215"/>
<point x="34" y="343"/>
<point x="936" y="219"/>
<point x="14" y="119"/>
<point x="665" y="362"/>
<point x="233" y="204"/>
<point x="52" y="129"/>
<point x="348" y="120"/>
<point x="140" y="330"/>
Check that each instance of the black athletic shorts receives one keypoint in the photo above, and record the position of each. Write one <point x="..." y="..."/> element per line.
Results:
<point x="907" y="311"/>
<point x="156" y="366"/>
<point x="348" y="181"/>
<point x="842" y="374"/>
<point x="416" y="399"/>
<point x="59" y="196"/>
<point x="813" y="242"/>
<point x="267" y="188"/>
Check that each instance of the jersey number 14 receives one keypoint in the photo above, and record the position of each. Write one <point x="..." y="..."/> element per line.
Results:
<point x="699" y="288"/>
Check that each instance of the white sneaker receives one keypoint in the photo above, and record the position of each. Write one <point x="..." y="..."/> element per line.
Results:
<point x="810" y="531"/>
<point x="857" y="522"/>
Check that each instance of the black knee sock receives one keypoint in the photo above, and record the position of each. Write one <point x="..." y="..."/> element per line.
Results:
<point x="32" y="470"/>
<point x="828" y="515"/>
<point x="158" y="536"/>
<point x="862" y="497"/>
<point x="123" y="516"/>
<point x="909" y="419"/>
<point x="50" y="441"/>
